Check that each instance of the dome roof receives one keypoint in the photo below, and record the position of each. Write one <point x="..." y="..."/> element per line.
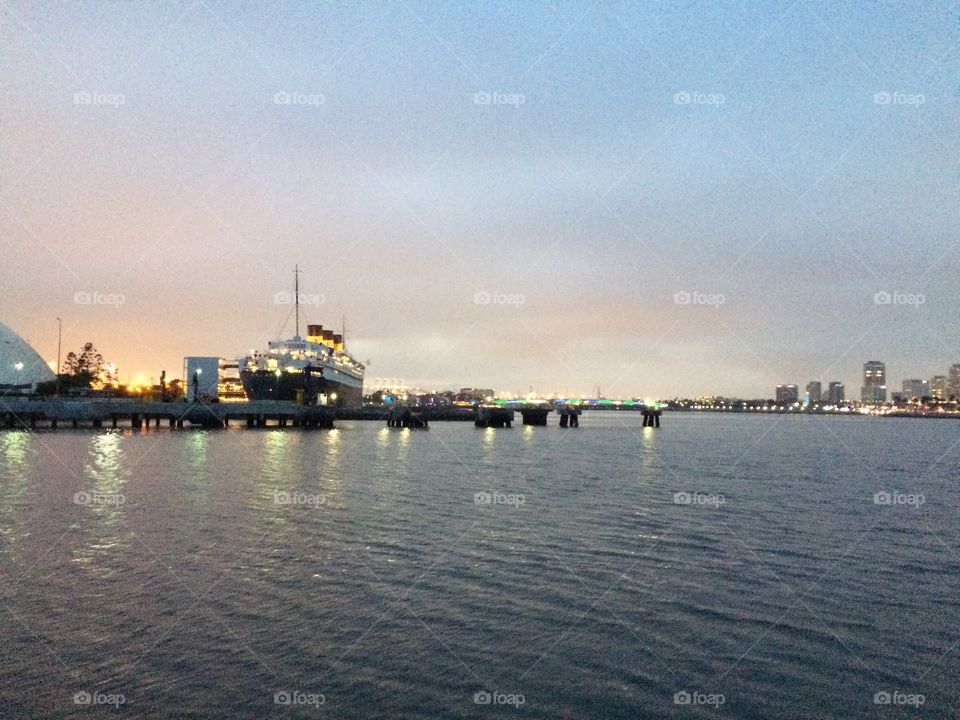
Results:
<point x="14" y="350"/>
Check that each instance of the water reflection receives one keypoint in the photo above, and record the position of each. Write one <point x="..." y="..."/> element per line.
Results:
<point x="14" y="488"/>
<point x="14" y="446"/>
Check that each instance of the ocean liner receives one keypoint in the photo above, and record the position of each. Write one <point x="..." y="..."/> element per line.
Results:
<point x="316" y="370"/>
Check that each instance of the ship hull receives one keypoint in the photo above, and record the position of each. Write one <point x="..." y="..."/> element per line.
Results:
<point x="307" y="387"/>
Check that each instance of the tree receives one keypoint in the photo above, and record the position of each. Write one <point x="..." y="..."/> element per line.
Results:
<point x="83" y="369"/>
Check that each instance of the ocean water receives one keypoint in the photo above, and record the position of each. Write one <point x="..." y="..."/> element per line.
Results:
<point x="722" y="565"/>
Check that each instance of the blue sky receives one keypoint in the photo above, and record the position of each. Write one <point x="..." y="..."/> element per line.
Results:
<point x="144" y="155"/>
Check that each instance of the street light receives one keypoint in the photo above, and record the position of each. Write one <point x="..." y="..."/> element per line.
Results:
<point x="196" y="384"/>
<point x="19" y="367"/>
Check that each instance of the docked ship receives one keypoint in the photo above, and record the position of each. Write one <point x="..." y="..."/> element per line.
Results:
<point x="316" y="370"/>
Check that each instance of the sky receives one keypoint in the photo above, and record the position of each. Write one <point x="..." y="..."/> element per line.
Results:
<point x="656" y="199"/>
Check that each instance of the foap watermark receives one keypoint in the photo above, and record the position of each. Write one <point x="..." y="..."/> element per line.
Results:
<point x="298" y="697"/>
<point x="98" y="498"/>
<point x="697" y="697"/>
<point x="498" y="298"/>
<point x="895" y="497"/>
<point x="288" y="298"/>
<point x="684" y="297"/>
<point x="698" y="498"/>
<point x="885" y="697"/>
<point x="99" y="698"/>
<point x="298" y="498"/>
<point x="496" y="697"/>
<point x="498" y="498"/>
<point x="99" y="99"/>
<point x="483" y="97"/>
<point x="698" y="98"/>
<point x="93" y="297"/>
<point x="883" y="297"/>
<point x="283" y="97"/>
<point x="888" y="97"/>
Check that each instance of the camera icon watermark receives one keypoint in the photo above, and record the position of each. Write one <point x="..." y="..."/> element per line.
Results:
<point x="484" y="297"/>
<point x="895" y="497"/>
<point x="85" y="497"/>
<point x="696" y="697"/>
<point x="288" y="298"/>
<point x="297" y="697"/>
<point x="283" y="97"/>
<point x="697" y="498"/>
<point x="889" y="97"/>
<point x="684" y="297"/>
<point x="484" y="97"/>
<point x="298" y="498"/>
<point x="499" y="498"/>
<point x="93" y="297"/>
<point x="883" y="297"/>
<point x="698" y="98"/>
<point x="496" y="697"/>
<point x="885" y="697"/>
<point x="99" y="698"/>
<point x="99" y="99"/>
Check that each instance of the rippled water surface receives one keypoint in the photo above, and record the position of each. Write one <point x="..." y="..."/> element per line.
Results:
<point x="358" y="574"/>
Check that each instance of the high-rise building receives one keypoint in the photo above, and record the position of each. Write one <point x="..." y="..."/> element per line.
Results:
<point x="835" y="393"/>
<point x="787" y="394"/>
<point x="953" y="383"/>
<point x="938" y="387"/>
<point x="874" y="389"/>
<point x="814" y="392"/>
<point x="916" y="388"/>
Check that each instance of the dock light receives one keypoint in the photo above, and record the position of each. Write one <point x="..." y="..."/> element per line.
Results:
<point x="19" y="367"/>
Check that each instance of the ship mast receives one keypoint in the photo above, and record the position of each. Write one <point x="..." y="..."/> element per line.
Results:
<point x="296" y="292"/>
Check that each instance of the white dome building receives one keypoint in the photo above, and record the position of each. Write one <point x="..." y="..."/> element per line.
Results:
<point x="20" y="364"/>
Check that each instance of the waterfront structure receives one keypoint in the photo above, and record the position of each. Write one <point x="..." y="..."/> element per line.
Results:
<point x="787" y="394"/>
<point x="938" y="387"/>
<point x="21" y="367"/>
<point x="835" y="393"/>
<point x="874" y="388"/>
<point x="953" y="382"/>
<point x="814" y="392"/>
<point x="915" y="388"/>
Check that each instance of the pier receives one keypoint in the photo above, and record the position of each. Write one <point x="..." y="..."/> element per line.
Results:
<point x="53" y="413"/>
<point x="59" y="412"/>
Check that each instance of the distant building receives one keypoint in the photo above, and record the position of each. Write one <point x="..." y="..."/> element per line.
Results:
<point x="475" y="394"/>
<point x="938" y="387"/>
<point x="835" y="393"/>
<point x="953" y="383"/>
<point x="787" y="394"/>
<point x="916" y="388"/>
<point x="874" y="389"/>
<point x="814" y="392"/>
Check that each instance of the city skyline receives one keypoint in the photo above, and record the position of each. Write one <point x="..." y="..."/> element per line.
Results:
<point x="653" y="201"/>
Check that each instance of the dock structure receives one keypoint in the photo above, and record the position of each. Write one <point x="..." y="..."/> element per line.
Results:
<point x="492" y="416"/>
<point x="651" y="416"/>
<point x="59" y="412"/>
<point x="404" y="417"/>
<point x="569" y="415"/>
<point x="534" y="414"/>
